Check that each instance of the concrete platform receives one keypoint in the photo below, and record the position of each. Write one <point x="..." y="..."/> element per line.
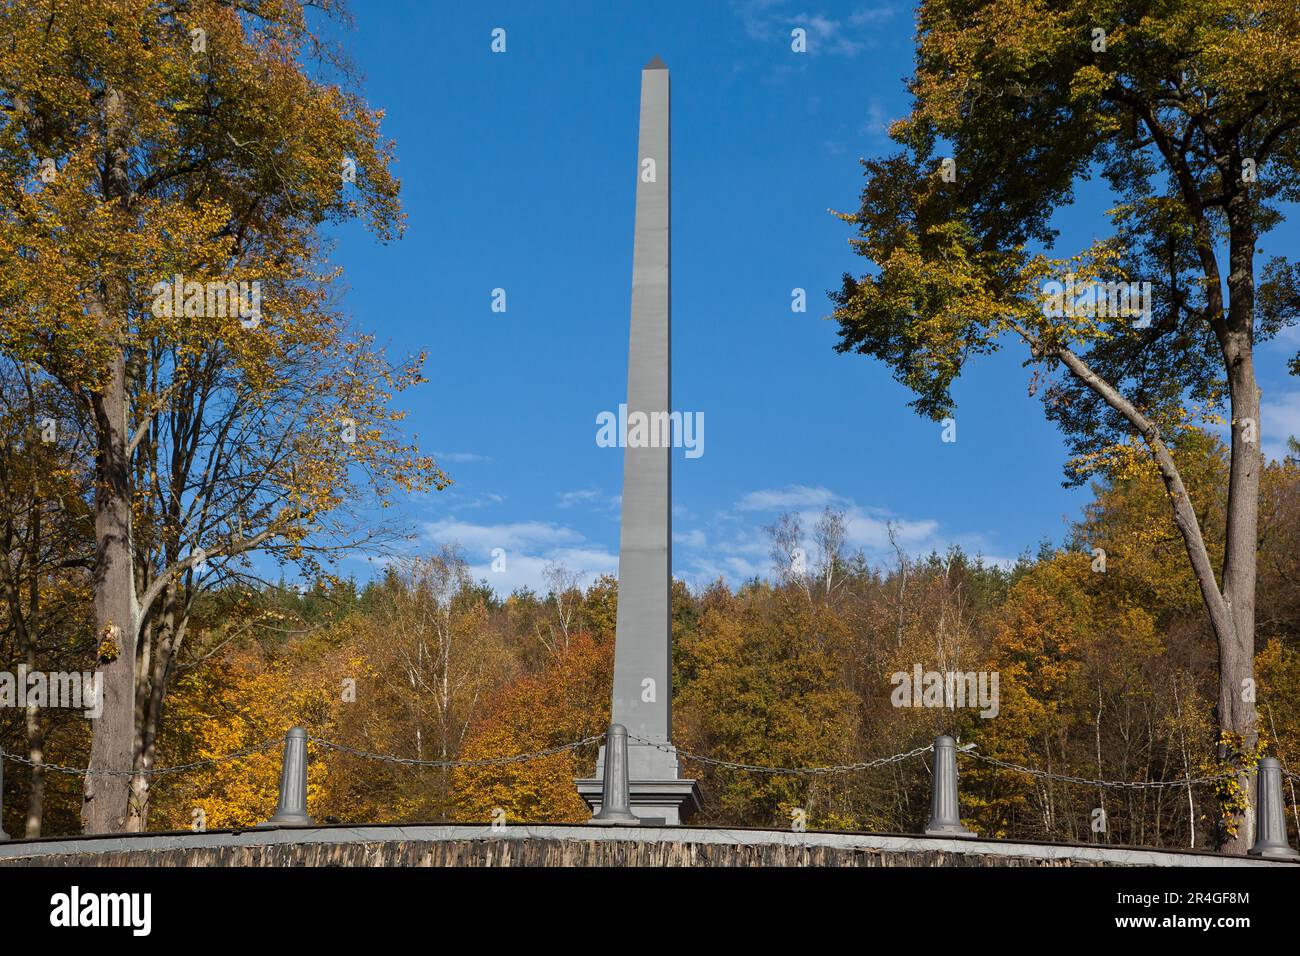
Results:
<point x="575" y="845"/>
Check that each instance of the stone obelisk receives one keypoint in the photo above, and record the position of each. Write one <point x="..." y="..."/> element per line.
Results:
<point x="643" y="648"/>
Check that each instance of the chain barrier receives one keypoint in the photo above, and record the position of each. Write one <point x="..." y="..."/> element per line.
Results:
<point x="787" y="771"/>
<point x="327" y="744"/>
<point x="151" y="772"/>
<point x="587" y="741"/>
<point x="485" y="762"/>
<point x="1115" y="784"/>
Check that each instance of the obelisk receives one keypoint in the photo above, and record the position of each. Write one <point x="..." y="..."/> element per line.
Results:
<point x="643" y="645"/>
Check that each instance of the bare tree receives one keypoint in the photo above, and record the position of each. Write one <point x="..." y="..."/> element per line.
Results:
<point x="829" y="535"/>
<point x="563" y="585"/>
<point x="435" y="650"/>
<point x="789" y="558"/>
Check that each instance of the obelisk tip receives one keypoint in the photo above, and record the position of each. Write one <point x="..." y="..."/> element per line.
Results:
<point x="655" y="64"/>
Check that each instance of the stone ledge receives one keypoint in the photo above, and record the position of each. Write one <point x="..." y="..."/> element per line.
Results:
<point x="576" y="845"/>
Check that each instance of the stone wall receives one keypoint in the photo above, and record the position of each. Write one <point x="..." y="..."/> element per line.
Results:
<point x="586" y="846"/>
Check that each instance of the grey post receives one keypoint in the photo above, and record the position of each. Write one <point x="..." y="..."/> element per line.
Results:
<point x="614" y="804"/>
<point x="643" y="651"/>
<point x="292" y="811"/>
<point x="1270" y="814"/>
<point x="3" y="835"/>
<point x="945" y="815"/>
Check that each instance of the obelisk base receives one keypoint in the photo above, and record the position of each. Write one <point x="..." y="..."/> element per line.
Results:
<point x="666" y="803"/>
<point x="658" y="796"/>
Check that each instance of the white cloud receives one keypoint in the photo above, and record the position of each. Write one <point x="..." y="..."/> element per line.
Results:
<point x="869" y="15"/>
<point x="754" y="14"/>
<point x="1281" y="420"/>
<point x="588" y="496"/>
<point x="792" y="496"/>
<point x="771" y="20"/>
<point x="732" y="544"/>
<point x="701" y="572"/>
<point x="529" y="546"/>
<point x="460" y="457"/>
<point x="459" y="499"/>
<point x="529" y="570"/>
<point x="871" y="533"/>
<point x="736" y="547"/>
<point x="877" y="124"/>
<point x="691" y="539"/>
<point x="475" y="538"/>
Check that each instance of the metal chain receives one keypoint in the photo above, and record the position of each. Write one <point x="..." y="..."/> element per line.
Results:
<point x="485" y="762"/>
<point x="1116" y="784"/>
<point x="152" y="772"/>
<point x="586" y="741"/>
<point x="787" y="771"/>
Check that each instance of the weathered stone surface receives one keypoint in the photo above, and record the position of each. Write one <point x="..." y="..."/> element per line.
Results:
<point x="566" y="845"/>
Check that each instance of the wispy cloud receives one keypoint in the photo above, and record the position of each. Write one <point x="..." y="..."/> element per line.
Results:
<point x="691" y="539"/>
<point x="730" y="544"/>
<point x="792" y="496"/>
<point x="758" y="17"/>
<point x="460" y="457"/>
<point x="479" y="499"/>
<point x="771" y="20"/>
<point x="590" y="497"/>
<point x="485" y="537"/>
<point x="1281" y="420"/>
<point x="526" y="549"/>
<point x="877" y="124"/>
<point x="736" y="547"/>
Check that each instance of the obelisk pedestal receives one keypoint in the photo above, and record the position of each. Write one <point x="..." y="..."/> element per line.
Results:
<point x="643" y="647"/>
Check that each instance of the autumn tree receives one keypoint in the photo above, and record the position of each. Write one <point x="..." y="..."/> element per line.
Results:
<point x="1191" y="112"/>
<point x="46" y="551"/>
<point x="165" y="170"/>
<point x="1083" y="685"/>
<point x="760" y="680"/>
<point x="1279" y="596"/>
<point x="242" y="704"/>
<point x="436" y="660"/>
<point x="567" y="700"/>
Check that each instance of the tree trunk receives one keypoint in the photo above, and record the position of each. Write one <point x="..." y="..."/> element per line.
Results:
<point x="105" y="799"/>
<point x="1233" y="623"/>
<point x="149" y="705"/>
<point x="36" y="754"/>
<point x="27" y="631"/>
<point x="104" y="807"/>
<point x="1241" y="540"/>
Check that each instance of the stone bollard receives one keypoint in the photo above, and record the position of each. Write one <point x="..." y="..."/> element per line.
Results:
<point x="945" y="818"/>
<point x="1270" y="814"/>
<point x="292" y="811"/>
<point x="614" y="792"/>
<point x="3" y="836"/>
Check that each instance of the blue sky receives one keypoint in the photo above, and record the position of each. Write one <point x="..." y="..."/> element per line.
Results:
<point x="518" y="173"/>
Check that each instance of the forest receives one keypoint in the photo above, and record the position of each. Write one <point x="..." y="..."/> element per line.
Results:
<point x="1105" y="671"/>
